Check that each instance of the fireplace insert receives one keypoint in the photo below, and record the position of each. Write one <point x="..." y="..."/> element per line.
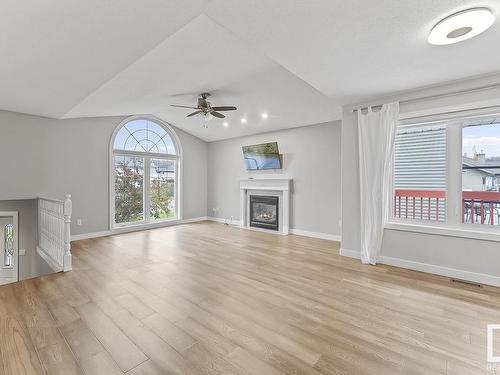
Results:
<point x="264" y="212"/>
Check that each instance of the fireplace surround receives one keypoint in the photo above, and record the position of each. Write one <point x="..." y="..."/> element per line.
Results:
<point x="277" y="188"/>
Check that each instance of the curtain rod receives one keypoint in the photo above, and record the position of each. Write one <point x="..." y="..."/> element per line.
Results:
<point x="435" y="96"/>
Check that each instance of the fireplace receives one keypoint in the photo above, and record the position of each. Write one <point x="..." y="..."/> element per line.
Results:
<point x="264" y="212"/>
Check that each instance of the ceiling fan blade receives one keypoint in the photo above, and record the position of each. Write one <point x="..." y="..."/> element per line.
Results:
<point x="217" y="114"/>
<point x="182" y="106"/>
<point x="224" y="108"/>
<point x="194" y="113"/>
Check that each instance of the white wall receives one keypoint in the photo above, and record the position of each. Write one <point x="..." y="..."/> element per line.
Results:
<point x="311" y="156"/>
<point x="441" y="253"/>
<point x="48" y="157"/>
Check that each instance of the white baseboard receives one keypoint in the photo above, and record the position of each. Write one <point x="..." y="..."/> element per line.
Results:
<point x="350" y="253"/>
<point x="86" y="236"/>
<point x="453" y="273"/>
<point x="55" y="267"/>
<point x="298" y="232"/>
<point x="323" y="236"/>
<point x="235" y="223"/>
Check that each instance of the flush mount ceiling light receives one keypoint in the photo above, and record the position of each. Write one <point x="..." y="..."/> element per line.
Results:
<point x="461" y="26"/>
<point x="243" y="120"/>
<point x="264" y="115"/>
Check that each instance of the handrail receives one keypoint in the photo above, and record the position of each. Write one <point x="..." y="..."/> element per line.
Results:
<point x="481" y="195"/>
<point x="420" y="193"/>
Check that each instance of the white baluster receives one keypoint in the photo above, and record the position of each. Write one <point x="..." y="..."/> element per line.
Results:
<point x="67" y="210"/>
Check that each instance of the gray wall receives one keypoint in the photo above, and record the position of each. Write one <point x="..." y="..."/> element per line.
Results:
<point x="48" y="157"/>
<point x="470" y="255"/>
<point x="311" y="156"/>
<point x="31" y="264"/>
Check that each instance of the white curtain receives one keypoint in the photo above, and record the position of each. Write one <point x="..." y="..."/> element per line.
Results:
<point x="376" y="133"/>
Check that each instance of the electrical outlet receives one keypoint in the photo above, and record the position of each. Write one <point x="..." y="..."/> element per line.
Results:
<point x="79" y="222"/>
<point x="22" y="252"/>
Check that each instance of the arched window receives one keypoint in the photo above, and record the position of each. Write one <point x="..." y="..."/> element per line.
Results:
<point x="145" y="174"/>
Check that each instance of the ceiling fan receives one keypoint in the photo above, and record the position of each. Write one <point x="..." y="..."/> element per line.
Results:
<point x="205" y="108"/>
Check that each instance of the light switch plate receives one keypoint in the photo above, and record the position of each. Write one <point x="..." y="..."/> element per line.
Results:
<point x="22" y="252"/>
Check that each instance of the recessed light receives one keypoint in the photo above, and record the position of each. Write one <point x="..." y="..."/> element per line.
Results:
<point x="461" y="26"/>
<point x="225" y="124"/>
<point x="264" y="115"/>
<point x="243" y="120"/>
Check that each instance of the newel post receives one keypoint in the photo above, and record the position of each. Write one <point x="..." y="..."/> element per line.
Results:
<point x="68" y="208"/>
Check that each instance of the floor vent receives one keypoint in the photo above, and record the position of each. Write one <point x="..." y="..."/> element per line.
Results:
<point x="466" y="282"/>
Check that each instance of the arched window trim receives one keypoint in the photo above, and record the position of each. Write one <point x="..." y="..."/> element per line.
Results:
<point x="179" y="171"/>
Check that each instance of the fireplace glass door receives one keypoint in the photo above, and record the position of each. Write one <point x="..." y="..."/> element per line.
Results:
<point x="264" y="212"/>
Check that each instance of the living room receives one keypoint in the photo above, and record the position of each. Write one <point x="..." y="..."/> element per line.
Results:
<point x="209" y="187"/>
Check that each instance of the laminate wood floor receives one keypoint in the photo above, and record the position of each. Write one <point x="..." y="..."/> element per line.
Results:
<point x="205" y="298"/>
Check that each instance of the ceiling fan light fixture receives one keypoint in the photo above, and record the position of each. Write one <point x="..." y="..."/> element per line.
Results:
<point x="208" y="116"/>
<point x="461" y="26"/>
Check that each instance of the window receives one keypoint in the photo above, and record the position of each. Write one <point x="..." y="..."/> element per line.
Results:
<point x="447" y="173"/>
<point x="420" y="173"/>
<point x="481" y="172"/>
<point x="8" y="232"/>
<point x="145" y="173"/>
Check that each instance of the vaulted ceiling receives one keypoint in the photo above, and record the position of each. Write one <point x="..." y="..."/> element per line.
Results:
<point x="298" y="61"/>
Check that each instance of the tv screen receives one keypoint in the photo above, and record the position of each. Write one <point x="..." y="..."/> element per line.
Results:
<point x="263" y="156"/>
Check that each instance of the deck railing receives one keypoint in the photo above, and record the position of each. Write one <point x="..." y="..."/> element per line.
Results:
<point x="54" y="237"/>
<point x="419" y="204"/>
<point x="480" y="207"/>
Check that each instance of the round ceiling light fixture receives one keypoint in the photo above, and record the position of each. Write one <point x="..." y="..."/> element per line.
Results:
<point x="461" y="26"/>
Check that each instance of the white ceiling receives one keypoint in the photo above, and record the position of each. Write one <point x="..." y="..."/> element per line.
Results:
<point x="299" y="61"/>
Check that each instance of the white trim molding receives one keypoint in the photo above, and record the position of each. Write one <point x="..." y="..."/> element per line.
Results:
<point x="136" y="228"/>
<point x="454" y="273"/>
<point x="472" y="232"/>
<point x="229" y="220"/>
<point x="297" y="232"/>
<point x="323" y="236"/>
<point x="350" y="253"/>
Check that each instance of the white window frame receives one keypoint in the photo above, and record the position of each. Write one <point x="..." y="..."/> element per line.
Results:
<point x="147" y="156"/>
<point x="452" y="226"/>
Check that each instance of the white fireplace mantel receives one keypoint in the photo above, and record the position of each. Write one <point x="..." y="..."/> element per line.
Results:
<point x="268" y="186"/>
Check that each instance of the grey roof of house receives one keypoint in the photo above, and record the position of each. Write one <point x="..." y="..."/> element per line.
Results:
<point x="492" y="162"/>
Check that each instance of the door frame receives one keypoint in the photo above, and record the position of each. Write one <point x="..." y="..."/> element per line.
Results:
<point x="15" y="222"/>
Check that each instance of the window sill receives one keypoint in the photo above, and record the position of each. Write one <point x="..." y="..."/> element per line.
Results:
<point x="477" y="234"/>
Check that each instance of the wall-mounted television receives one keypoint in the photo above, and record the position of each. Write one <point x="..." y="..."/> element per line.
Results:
<point x="262" y="156"/>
